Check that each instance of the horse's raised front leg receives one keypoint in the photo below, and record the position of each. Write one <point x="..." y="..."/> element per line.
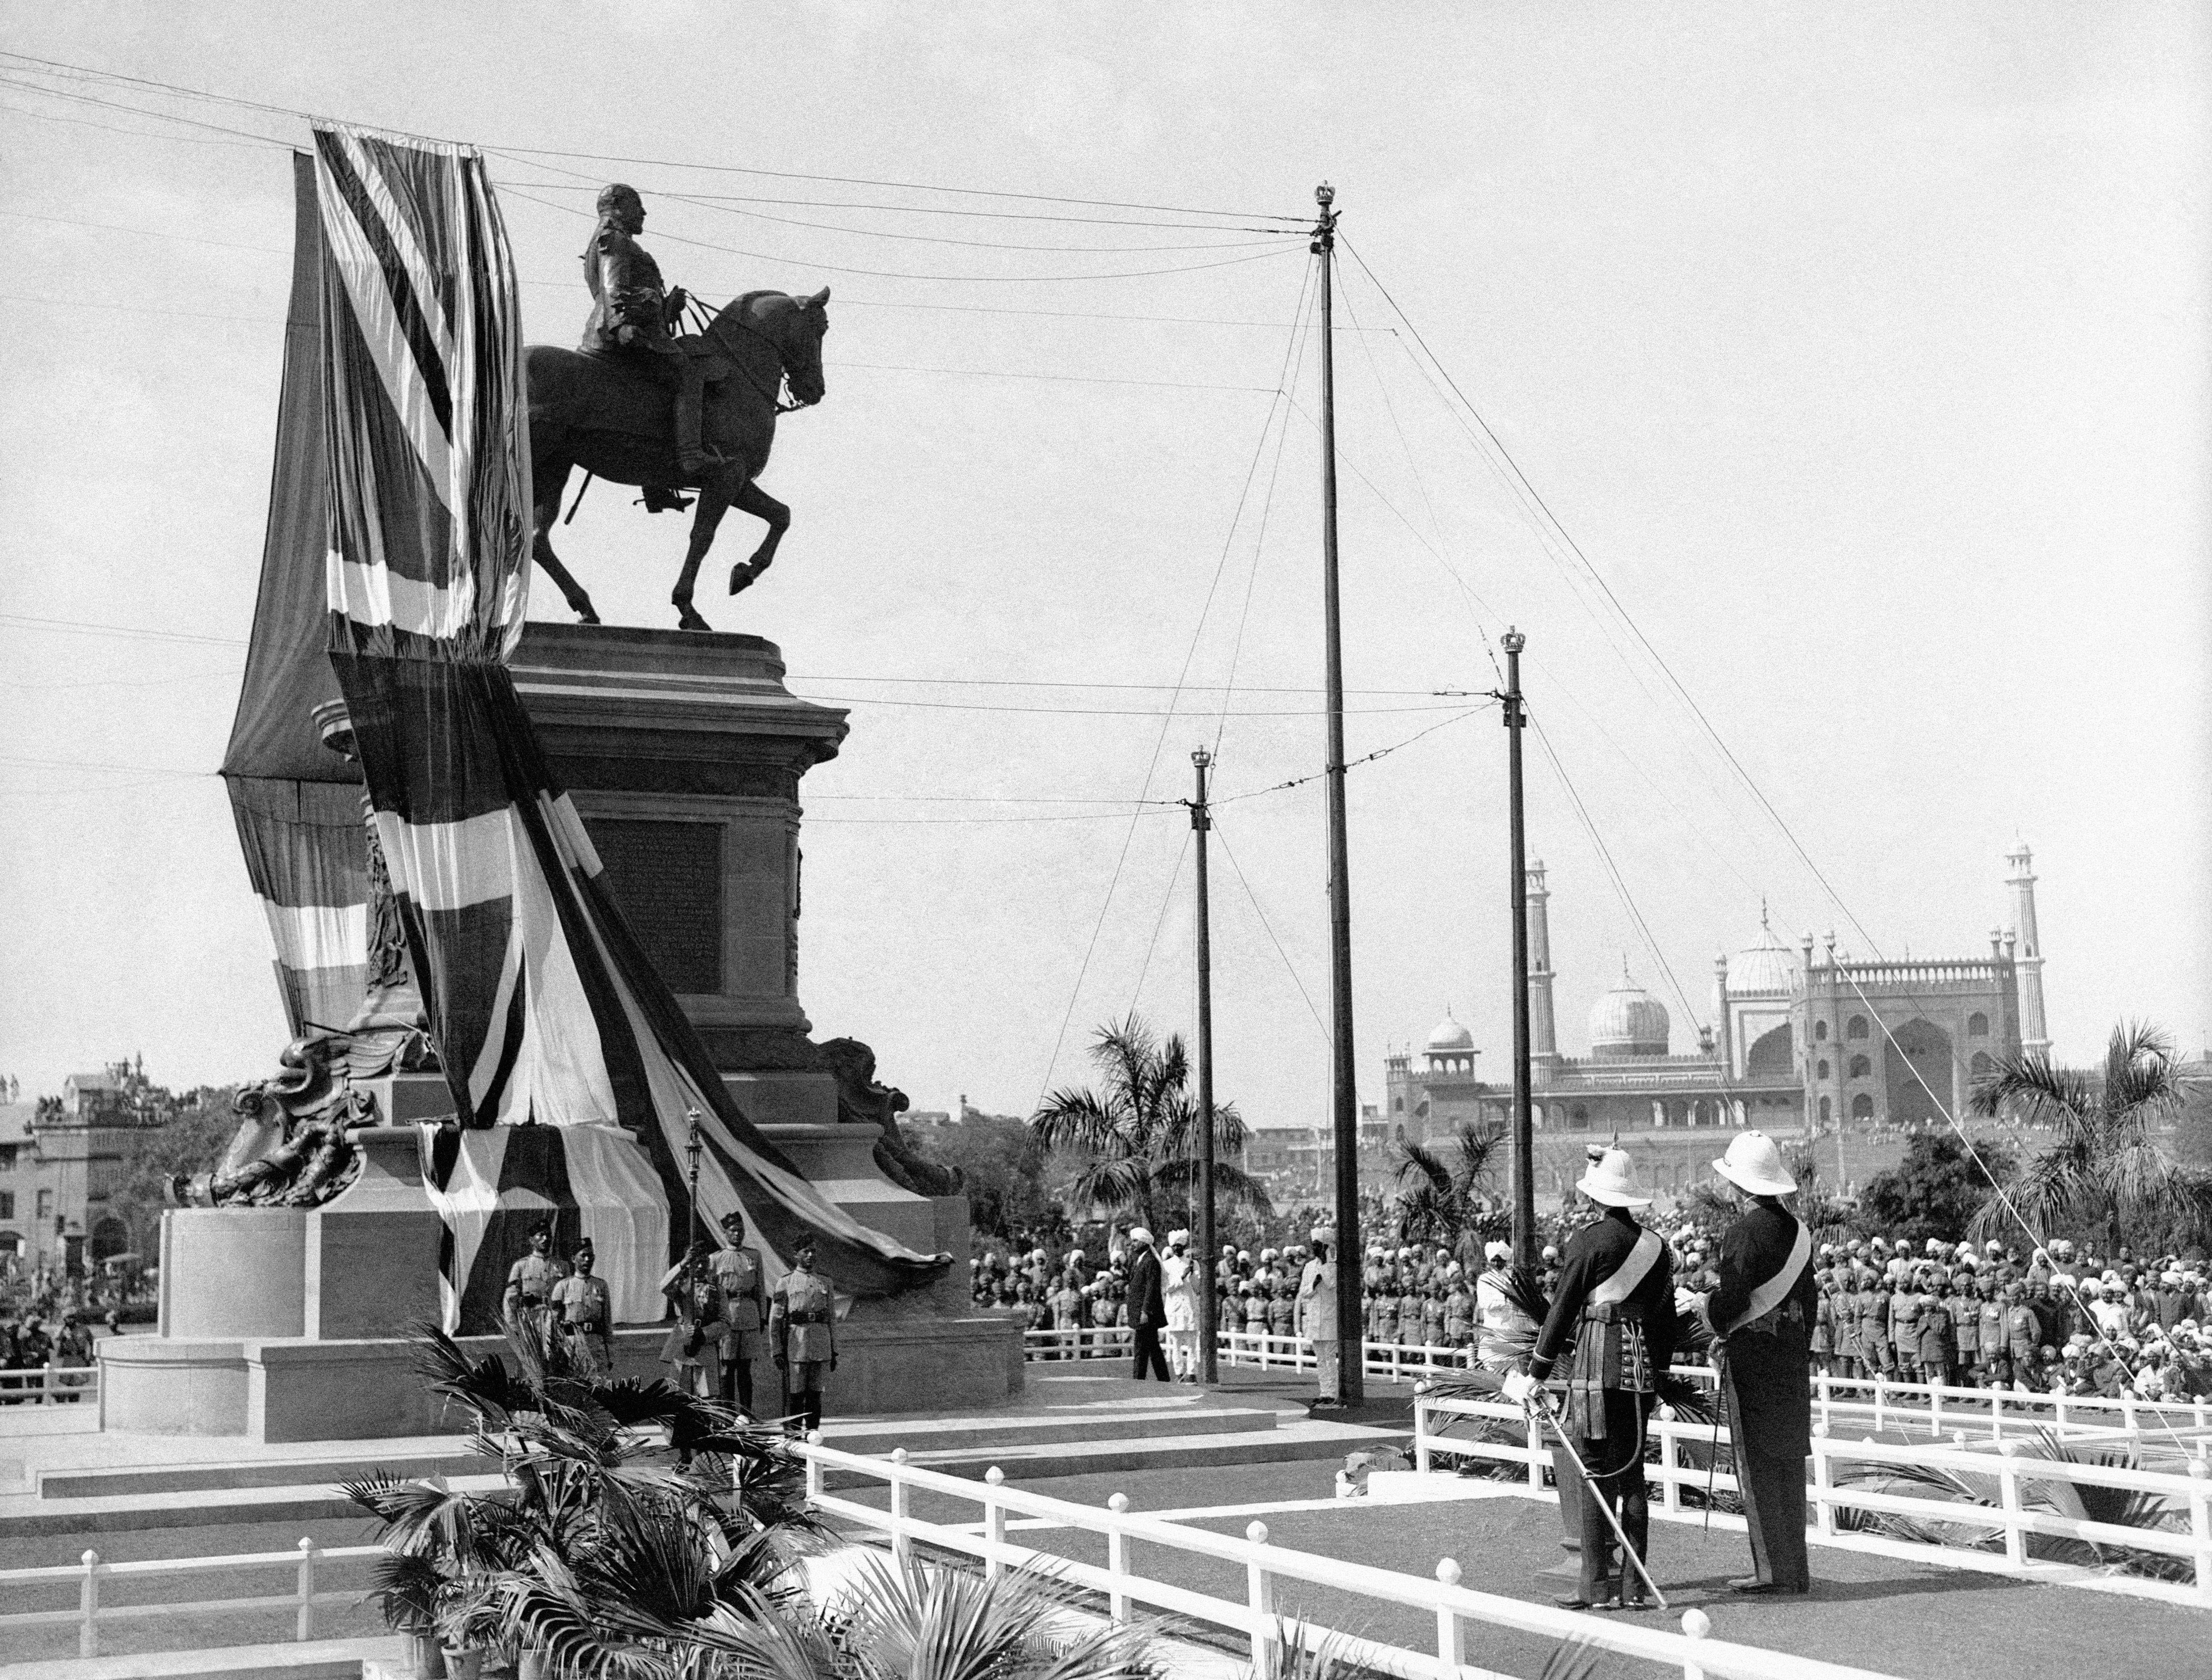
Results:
<point x="752" y="499"/>
<point x="550" y="480"/>
<point x="714" y="502"/>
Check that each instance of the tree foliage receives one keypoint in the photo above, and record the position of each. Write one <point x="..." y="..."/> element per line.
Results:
<point x="1137" y="1135"/>
<point x="1934" y="1191"/>
<point x="1003" y="1162"/>
<point x="1444" y="1199"/>
<point x="2107" y="1169"/>
<point x="191" y="1140"/>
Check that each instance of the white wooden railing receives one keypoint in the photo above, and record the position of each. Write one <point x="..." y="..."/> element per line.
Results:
<point x="89" y="1575"/>
<point x="2007" y="1464"/>
<point x="1936" y="1409"/>
<point x="1942" y="1407"/>
<point x="1260" y="1618"/>
<point x="49" y="1384"/>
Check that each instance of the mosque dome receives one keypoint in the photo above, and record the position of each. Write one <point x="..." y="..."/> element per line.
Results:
<point x="1628" y="1021"/>
<point x="1766" y="966"/>
<point x="1448" y="1035"/>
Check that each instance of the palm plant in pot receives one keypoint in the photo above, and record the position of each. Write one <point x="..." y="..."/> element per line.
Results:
<point x="587" y="1463"/>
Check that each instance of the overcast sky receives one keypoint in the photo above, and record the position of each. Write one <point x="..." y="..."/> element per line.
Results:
<point x="1861" y="350"/>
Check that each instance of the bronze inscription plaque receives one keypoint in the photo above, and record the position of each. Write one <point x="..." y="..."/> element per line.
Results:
<point x="667" y="877"/>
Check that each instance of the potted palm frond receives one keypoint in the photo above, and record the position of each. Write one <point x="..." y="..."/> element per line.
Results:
<point x="405" y="1588"/>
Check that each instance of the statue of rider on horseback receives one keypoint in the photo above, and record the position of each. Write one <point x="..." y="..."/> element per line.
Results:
<point x="633" y="316"/>
<point x="601" y="407"/>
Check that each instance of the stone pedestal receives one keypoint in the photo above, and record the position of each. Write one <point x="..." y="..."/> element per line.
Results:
<point x="683" y="752"/>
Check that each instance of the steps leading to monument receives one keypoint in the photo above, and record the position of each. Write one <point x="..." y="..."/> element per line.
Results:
<point x="316" y="1659"/>
<point x="917" y="1435"/>
<point x="1041" y="1461"/>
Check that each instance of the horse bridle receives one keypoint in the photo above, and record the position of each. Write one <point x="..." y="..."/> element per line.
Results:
<point x="711" y="318"/>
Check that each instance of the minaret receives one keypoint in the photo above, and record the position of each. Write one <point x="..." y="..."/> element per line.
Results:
<point x="1543" y="1037"/>
<point x="1726" y="1029"/>
<point x="2034" y="1040"/>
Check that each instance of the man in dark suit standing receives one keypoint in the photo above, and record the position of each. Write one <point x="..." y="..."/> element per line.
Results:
<point x="1761" y="1313"/>
<point x="1148" y="1312"/>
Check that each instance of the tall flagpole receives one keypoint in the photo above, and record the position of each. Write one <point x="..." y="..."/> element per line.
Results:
<point x="1208" y="1287"/>
<point x="1343" y="1084"/>
<point x="1524" y="1144"/>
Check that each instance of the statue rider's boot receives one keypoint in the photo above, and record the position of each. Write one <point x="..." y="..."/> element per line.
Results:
<point x="692" y="458"/>
<point x="659" y="499"/>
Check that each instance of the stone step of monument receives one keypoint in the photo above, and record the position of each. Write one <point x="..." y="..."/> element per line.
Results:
<point x="314" y="1659"/>
<point x="85" y="1483"/>
<point x="988" y="1430"/>
<point x="1037" y="1461"/>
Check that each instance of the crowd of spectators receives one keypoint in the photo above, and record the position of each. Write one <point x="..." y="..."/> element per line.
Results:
<point x="2063" y="1319"/>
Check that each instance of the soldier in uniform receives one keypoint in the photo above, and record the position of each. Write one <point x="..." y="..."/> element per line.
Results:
<point x="694" y="1346"/>
<point x="530" y="1280"/>
<point x="1615" y="1303"/>
<point x="585" y="1313"/>
<point x="1317" y="1320"/>
<point x="737" y="1270"/>
<point x="1762" y="1312"/>
<point x="802" y="1333"/>
<point x="631" y="310"/>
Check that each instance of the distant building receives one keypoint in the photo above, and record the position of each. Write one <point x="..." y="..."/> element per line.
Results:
<point x="62" y="1161"/>
<point x="1798" y="1041"/>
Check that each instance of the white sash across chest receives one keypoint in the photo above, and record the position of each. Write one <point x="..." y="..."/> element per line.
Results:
<point x="1633" y="1271"/>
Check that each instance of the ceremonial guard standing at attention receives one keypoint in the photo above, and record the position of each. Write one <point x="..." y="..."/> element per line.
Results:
<point x="738" y="1278"/>
<point x="694" y="1346"/>
<point x="1761" y="1314"/>
<point x="1614" y="1305"/>
<point x="802" y="1332"/>
<point x="1317" y="1310"/>
<point x="530" y="1279"/>
<point x="585" y="1313"/>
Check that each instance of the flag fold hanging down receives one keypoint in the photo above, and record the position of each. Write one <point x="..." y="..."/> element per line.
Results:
<point x="542" y="1006"/>
<point x="297" y="804"/>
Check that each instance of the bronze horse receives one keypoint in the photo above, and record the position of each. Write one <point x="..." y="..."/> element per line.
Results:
<point x="613" y="421"/>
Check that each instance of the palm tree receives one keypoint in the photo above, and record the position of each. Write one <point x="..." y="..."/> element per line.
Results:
<point x="1139" y="1132"/>
<point x="1446" y="1198"/>
<point x="2106" y="1168"/>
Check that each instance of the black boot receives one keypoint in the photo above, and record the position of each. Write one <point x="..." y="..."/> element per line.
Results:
<point x="660" y="499"/>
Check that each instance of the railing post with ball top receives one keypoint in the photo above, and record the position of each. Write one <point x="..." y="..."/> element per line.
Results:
<point x="813" y="1466"/>
<point x="994" y="1523"/>
<point x="304" y="1627"/>
<point x="1696" y="1625"/>
<point x="1117" y="1561"/>
<point x="1260" y="1598"/>
<point x="902" y="1545"/>
<point x="2200" y="1525"/>
<point x="2008" y="1492"/>
<point x="1450" y="1658"/>
<point x="88" y="1605"/>
<point x="1824" y="1482"/>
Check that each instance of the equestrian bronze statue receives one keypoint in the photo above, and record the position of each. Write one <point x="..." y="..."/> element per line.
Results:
<point x="637" y="404"/>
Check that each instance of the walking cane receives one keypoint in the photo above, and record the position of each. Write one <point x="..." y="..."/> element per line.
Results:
<point x="1713" y="1452"/>
<point x="1539" y="1406"/>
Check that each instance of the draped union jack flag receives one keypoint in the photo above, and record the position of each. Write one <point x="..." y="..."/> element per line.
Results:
<point x="543" y="1006"/>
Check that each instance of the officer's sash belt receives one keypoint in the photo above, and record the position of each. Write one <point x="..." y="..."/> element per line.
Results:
<point x="1767" y="1297"/>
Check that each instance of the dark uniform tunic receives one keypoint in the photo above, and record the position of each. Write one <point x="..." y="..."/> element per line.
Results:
<point x="1619" y="1353"/>
<point x="1767" y="1372"/>
<point x="626" y="291"/>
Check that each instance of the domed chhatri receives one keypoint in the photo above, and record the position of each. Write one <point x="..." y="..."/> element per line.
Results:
<point x="1449" y="1035"/>
<point x="1628" y="1021"/>
<point x="1767" y="966"/>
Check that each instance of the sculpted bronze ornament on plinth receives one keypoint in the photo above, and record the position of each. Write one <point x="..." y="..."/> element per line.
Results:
<point x="605" y="406"/>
